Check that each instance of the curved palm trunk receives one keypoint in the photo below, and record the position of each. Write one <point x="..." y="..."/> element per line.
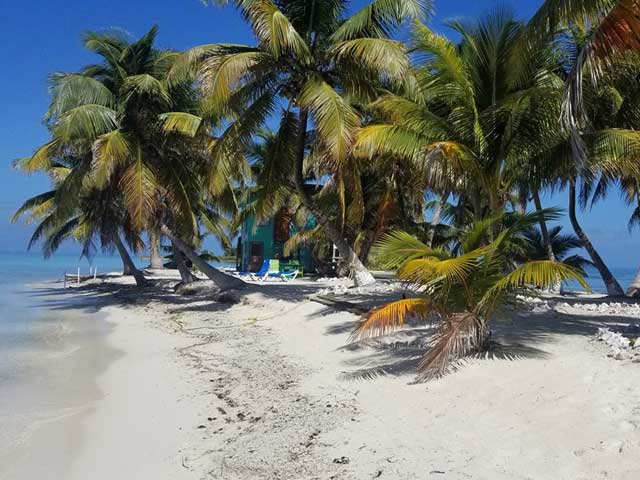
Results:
<point x="155" y="261"/>
<point x="546" y="239"/>
<point x="186" y="275"/>
<point x="361" y="275"/>
<point x="222" y="280"/>
<point x="435" y="219"/>
<point x="613" y="287"/>
<point x="366" y="245"/>
<point x="129" y="266"/>
<point x="634" y="288"/>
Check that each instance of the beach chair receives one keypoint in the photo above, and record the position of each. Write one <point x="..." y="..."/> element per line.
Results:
<point x="288" y="276"/>
<point x="264" y="270"/>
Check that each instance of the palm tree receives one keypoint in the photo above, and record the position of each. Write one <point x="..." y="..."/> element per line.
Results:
<point x="318" y="62"/>
<point x="561" y="245"/>
<point x="155" y="258"/>
<point x="615" y="29"/>
<point x="475" y="109"/>
<point x="460" y="293"/>
<point x="117" y="118"/>
<point x="98" y="217"/>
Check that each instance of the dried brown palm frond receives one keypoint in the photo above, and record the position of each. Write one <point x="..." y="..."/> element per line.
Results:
<point x="456" y="339"/>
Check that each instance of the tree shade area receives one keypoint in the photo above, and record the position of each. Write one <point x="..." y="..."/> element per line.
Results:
<point x="422" y="157"/>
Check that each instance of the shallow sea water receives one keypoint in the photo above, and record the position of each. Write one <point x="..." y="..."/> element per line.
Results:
<point x="50" y="355"/>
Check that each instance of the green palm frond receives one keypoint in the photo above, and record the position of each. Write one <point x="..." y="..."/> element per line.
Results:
<point x="423" y="271"/>
<point x="180" y="122"/>
<point x="274" y="29"/>
<point x="392" y="139"/>
<point x="54" y="239"/>
<point x="334" y="117"/>
<point x="275" y="156"/>
<point x="378" y="18"/>
<point x="220" y="75"/>
<point x="385" y="57"/>
<point x="71" y="90"/>
<point x="41" y="160"/>
<point x="32" y="204"/>
<point x="537" y="274"/>
<point x="397" y="248"/>
<point x="110" y="151"/>
<point x="235" y="139"/>
<point x="217" y="226"/>
<point x="85" y="122"/>
<point x="146" y="85"/>
<point x="139" y="188"/>
<point x="554" y="14"/>
<point x="413" y="116"/>
<point x="301" y="238"/>
<point x="616" y="151"/>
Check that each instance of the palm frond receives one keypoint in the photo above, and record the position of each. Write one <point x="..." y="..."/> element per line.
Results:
<point x="139" y="188"/>
<point x="71" y="90"/>
<point x="537" y="274"/>
<point x="180" y="122"/>
<point x="41" y="160"/>
<point x="455" y="340"/>
<point x="386" y="58"/>
<point x="334" y="117"/>
<point x="397" y="248"/>
<point x="274" y="29"/>
<point x="426" y="271"/>
<point x="302" y="238"/>
<point x="85" y="122"/>
<point x="110" y="151"/>
<point x="373" y="140"/>
<point x="378" y="18"/>
<point x="392" y="316"/>
<point x="148" y="86"/>
<point x="221" y="74"/>
<point x="33" y="203"/>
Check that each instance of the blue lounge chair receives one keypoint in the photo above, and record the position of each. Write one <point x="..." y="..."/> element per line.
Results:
<point x="264" y="270"/>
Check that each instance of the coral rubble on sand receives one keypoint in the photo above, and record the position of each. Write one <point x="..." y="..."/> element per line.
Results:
<point x="621" y="346"/>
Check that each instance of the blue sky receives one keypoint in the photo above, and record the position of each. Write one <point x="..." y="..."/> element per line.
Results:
<point x="43" y="36"/>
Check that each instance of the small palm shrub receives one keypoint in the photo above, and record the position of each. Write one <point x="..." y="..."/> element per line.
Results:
<point x="459" y="293"/>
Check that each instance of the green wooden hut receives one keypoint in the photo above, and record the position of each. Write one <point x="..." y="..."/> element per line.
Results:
<point x="260" y="241"/>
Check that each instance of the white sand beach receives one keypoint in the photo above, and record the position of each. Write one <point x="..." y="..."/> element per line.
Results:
<point x="270" y="388"/>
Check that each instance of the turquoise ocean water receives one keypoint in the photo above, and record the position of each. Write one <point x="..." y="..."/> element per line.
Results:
<point x="50" y="356"/>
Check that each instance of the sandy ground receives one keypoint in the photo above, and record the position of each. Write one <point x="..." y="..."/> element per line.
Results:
<point x="270" y="389"/>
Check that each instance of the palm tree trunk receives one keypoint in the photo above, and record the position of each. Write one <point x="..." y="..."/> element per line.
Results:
<point x="155" y="261"/>
<point x="222" y="280"/>
<point x="361" y="275"/>
<point x="634" y="288"/>
<point x="366" y="245"/>
<point x="129" y="266"/>
<point x="546" y="239"/>
<point x="435" y="219"/>
<point x="186" y="275"/>
<point x="613" y="287"/>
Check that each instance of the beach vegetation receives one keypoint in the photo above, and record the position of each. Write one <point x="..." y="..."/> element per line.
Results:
<point x="461" y="291"/>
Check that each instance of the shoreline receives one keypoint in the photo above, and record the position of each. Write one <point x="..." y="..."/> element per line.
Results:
<point x="57" y="388"/>
<point x="270" y="388"/>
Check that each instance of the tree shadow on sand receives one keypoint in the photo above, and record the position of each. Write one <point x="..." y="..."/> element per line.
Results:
<point x="516" y="336"/>
<point x="92" y="297"/>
